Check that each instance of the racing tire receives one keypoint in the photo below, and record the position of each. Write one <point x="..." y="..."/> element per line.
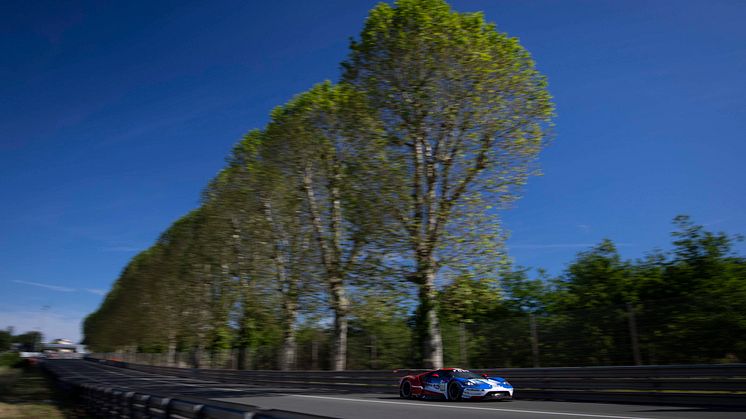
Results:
<point x="405" y="390"/>
<point x="454" y="391"/>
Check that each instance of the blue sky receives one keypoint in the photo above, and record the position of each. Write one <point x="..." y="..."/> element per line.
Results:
<point x="114" y="116"/>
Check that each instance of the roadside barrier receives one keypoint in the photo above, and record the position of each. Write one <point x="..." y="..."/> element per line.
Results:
<point x="102" y="399"/>
<point x="696" y="385"/>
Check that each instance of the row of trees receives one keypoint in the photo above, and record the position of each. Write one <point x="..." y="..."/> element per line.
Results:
<point x="361" y="195"/>
<point x="687" y="305"/>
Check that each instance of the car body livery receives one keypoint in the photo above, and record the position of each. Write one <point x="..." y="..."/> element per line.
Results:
<point x="454" y="384"/>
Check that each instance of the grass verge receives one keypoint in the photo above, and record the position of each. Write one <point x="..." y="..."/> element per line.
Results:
<point x="26" y="393"/>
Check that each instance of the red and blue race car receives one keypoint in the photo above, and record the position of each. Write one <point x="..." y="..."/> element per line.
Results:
<point x="454" y="384"/>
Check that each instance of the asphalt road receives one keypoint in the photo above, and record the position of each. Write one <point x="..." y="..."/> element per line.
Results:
<point x="365" y="406"/>
<point x="331" y="403"/>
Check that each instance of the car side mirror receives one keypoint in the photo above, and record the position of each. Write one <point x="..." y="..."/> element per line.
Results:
<point x="485" y="376"/>
<point x="435" y="376"/>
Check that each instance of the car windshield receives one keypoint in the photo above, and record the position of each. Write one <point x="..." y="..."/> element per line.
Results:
<point x="465" y="374"/>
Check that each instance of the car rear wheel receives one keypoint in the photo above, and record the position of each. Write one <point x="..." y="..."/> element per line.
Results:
<point x="405" y="390"/>
<point x="454" y="391"/>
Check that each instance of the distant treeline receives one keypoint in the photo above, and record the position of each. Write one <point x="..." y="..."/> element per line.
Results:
<point x="28" y="341"/>
<point x="687" y="305"/>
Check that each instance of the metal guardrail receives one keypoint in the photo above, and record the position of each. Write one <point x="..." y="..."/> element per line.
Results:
<point x="104" y="400"/>
<point x="698" y="385"/>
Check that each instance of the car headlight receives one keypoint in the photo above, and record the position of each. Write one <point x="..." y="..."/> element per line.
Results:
<point x="471" y="383"/>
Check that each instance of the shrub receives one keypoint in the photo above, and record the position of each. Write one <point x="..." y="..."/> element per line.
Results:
<point x="10" y="359"/>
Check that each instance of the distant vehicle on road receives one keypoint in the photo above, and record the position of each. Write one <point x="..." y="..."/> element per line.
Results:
<point x="63" y="349"/>
<point x="454" y="384"/>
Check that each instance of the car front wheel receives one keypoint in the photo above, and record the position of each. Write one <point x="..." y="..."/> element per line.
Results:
<point x="454" y="392"/>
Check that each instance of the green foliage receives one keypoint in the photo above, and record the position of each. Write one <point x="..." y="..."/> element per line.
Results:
<point x="380" y="337"/>
<point x="687" y="305"/>
<point x="10" y="359"/>
<point x="703" y="287"/>
<point x="30" y="394"/>
<point x="466" y="299"/>
<point x="6" y="338"/>
<point x="597" y="284"/>
<point x="524" y="294"/>
<point x="465" y="112"/>
<point x="30" y="341"/>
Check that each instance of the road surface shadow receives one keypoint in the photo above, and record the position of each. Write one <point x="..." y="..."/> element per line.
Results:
<point x="703" y="409"/>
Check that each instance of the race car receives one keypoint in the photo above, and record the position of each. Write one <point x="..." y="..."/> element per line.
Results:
<point x="454" y="384"/>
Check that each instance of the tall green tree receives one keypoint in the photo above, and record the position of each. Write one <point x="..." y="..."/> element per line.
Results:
<point x="282" y="239"/>
<point x="326" y="143"/>
<point x="464" y="111"/>
<point x="592" y="299"/>
<point x="694" y="301"/>
<point x="463" y="302"/>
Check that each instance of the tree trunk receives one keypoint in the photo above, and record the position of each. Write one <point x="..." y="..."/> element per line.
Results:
<point x="197" y="356"/>
<point x="171" y="351"/>
<point x="431" y="339"/>
<point x="462" y="344"/>
<point x="287" y="287"/>
<point x="244" y="336"/>
<point x="373" y="352"/>
<point x="633" y="334"/>
<point x="331" y="259"/>
<point x="534" y="340"/>
<point x="340" y="305"/>
<point x="315" y="352"/>
<point x="288" y="354"/>
<point x="243" y="353"/>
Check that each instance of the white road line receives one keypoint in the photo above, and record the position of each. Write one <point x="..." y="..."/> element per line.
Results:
<point x="585" y="415"/>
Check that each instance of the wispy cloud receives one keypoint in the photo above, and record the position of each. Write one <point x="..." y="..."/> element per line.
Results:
<point x="96" y="291"/>
<point x="584" y="227"/>
<point x="52" y="324"/>
<point x="47" y="286"/>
